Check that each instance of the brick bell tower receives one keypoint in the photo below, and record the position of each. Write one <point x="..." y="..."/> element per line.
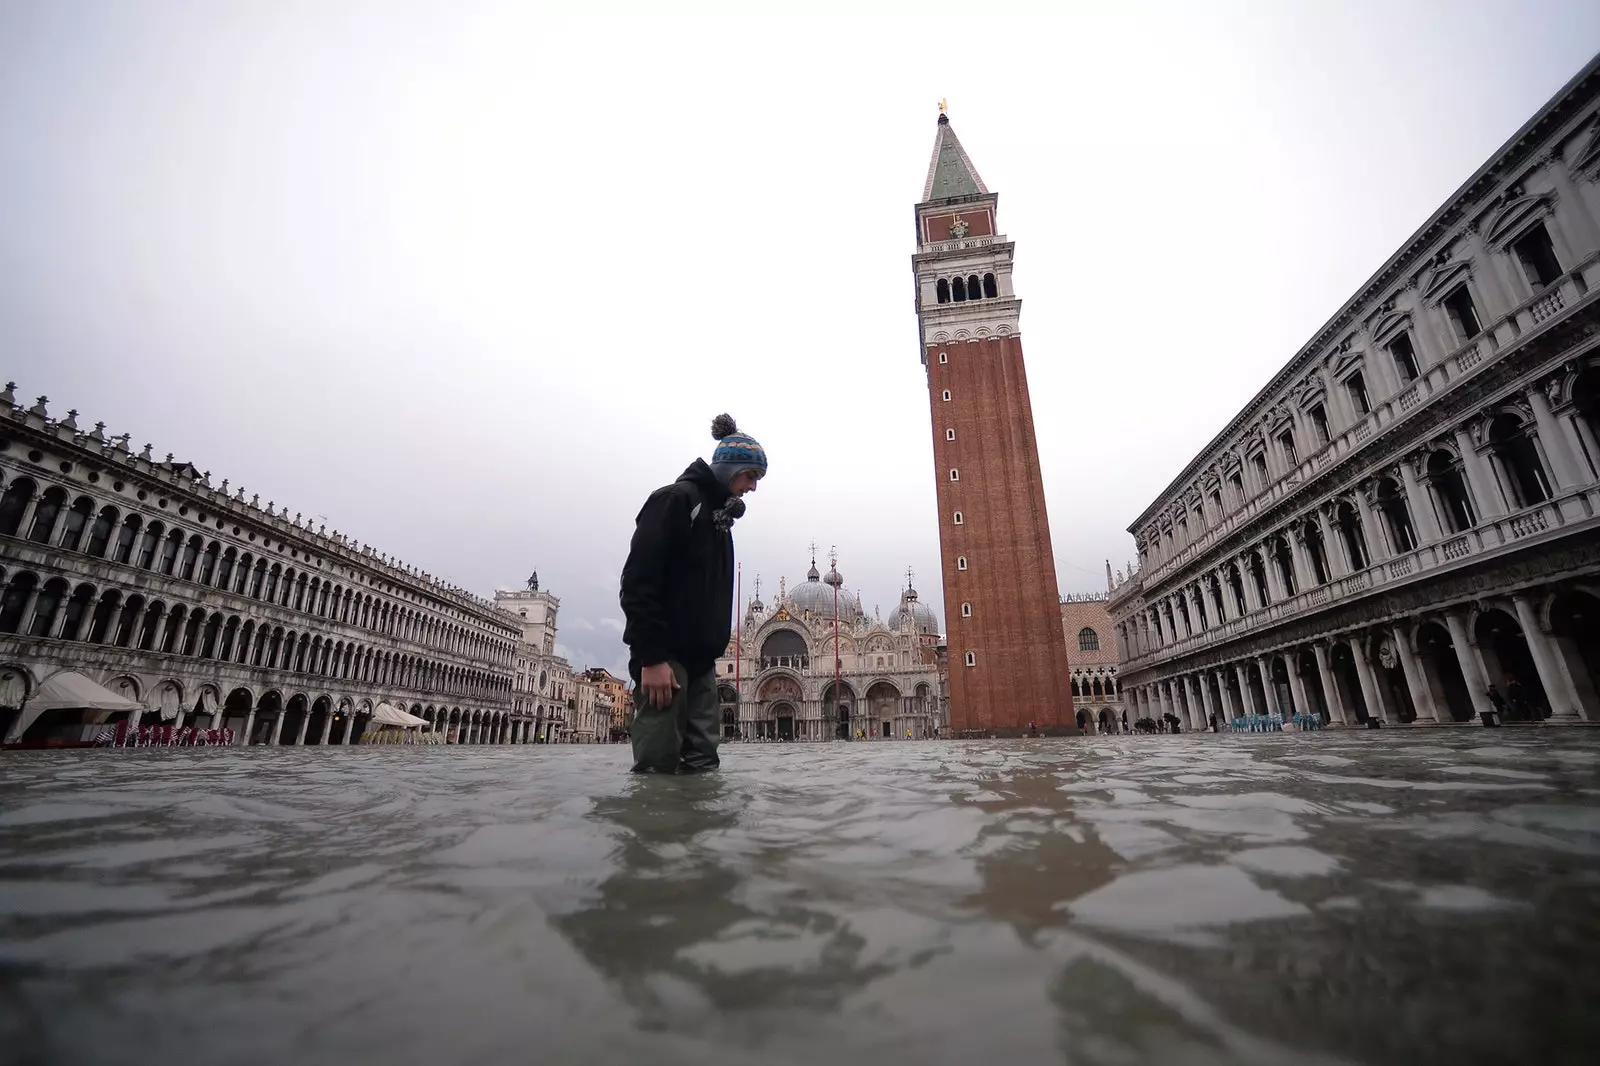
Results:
<point x="1008" y="657"/>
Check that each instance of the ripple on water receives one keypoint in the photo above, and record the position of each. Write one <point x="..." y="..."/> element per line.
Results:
<point x="1261" y="899"/>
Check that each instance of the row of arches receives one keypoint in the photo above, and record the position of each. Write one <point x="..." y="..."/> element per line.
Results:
<point x="960" y="289"/>
<point x="1438" y="495"/>
<point x="272" y="717"/>
<point x="1504" y="461"/>
<point x="53" y="608"/>
<point x="1526" y="658"/>
<point x="781" y="710"/>
<point x="1094" y="687"/>
<point x="45" y="516"/>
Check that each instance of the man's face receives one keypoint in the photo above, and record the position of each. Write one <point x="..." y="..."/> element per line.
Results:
<point x="744" y="481"/>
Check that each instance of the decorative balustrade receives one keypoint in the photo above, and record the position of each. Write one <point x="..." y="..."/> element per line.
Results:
<point x="1528" y="524"/>
<point x="1546" y="305"/>
<point x="1486" y="536"/>
<point x="1436" y="381"/>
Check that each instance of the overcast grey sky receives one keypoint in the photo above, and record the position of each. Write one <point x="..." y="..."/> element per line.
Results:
<point x="470" y="279"/>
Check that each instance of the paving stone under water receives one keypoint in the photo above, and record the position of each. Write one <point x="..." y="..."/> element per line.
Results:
<point x="1340" y="897"/>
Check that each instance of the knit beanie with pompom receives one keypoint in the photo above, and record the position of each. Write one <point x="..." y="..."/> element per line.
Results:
<point x="735" y="452"/>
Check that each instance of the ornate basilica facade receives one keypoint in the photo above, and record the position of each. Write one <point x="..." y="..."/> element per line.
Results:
<point x="208" y="608"/>
<point x="776" y="681"/>
<point x="1403" y="526"/>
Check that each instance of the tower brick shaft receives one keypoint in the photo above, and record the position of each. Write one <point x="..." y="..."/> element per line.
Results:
<point x="1008" y="658"/>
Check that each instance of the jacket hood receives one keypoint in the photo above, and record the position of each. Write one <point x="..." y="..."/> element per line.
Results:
<point x="711" y="487"/>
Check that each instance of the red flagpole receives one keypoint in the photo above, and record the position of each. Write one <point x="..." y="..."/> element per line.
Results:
<point x="833" y="562"/>
<point x="738" y="642"/>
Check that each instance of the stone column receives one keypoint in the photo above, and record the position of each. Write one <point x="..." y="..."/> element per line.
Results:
<point x="349" y="728"/>
<point x="1371" y="531"/>
<point x="1274" y="580"/>
<point x="1547" y="660"/>
<point x="1564" y="467"/>
<point x="1332" y="546"/>
<point x="249" y="727"/>
<point x="1297" y="685"/>
<point x="1197" y="702"/>
<point x="1480" y="479"/>
<point x="1416" y="677"/>
<point x="1305" y="574"/>
<point x="1247" y="581"/>
<point x="31" y="602"/>
<point x="300" y="734"/>
<point x="1471" y="666"/>
<point x="1330" y="691"/>
<point x="327" y="721"/>
<point x="1246" y="697"/>
<point x="1264" y="662"/>
<point x="1369" y="683"/>
<point x="1420" y="504"/>
<point x="1209" y="702"/>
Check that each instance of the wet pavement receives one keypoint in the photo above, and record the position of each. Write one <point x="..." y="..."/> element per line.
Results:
<point x="1426" y="896"/>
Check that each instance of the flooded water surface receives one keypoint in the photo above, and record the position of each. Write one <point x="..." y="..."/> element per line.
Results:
<point x="1356" y="897"/>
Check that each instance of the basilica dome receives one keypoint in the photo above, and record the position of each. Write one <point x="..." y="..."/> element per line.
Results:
<point x="914" y="615"/>
<point x="816" y="595"/>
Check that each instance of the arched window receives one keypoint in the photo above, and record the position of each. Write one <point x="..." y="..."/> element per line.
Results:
<point x="1077" y="689"/>
<point x="974" y="287"/>
<point x="1088" y="639"/>
<point x="258" y="579"/>
<point x="958" y="290"/>
<point x="16" y="600"/>
<point x="989" y="289"/>
<point x="127" y="538"/>
<point x="45" y="515"/>
<point x="13" y="503"/>
<point x="1311" y="534"/>
<point x="972" y="658"/>
<point x="225" y="572"/>
<point x="961" y="562"/>
<point x="170" y="552"/>
<point x="77" y="522"/>
<point x="191" y="558"/>
<point x="148" y="545"/>
<point x="958" y="518"/>
<point x="1096" y="689"/>
<point x="175" y="620"/>
<point x="77" y="611"/>
<point x="1258" y="574"/>
<point x="1521" y="472"/>
<point x="100" y="534"/>
<point x="48" y="603"/>
<point x="942" y="291"/>
<point x="1450" y="494"/>
<point x="1391" y="502"/>
<point x="966" y="610"/>
<point x="1586" y="405"/>
<point x="208" y="563"/>
<point x="1354" y="537"/>
<point x="100" y="627"/>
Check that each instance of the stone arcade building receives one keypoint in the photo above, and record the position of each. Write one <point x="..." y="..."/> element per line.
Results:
<point x="1406" y="514"/>
<point x="210" y="609"/>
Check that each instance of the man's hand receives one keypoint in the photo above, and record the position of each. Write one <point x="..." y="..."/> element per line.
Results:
<point x="659" y="684"/>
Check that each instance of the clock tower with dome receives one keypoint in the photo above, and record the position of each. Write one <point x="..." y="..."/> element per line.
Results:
<point x="1007" y="654"/>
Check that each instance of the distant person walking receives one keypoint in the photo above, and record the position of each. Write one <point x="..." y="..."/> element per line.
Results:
<point x="677" y="600"/>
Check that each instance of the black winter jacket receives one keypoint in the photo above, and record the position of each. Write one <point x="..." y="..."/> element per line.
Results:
<point x="677" y="585"/>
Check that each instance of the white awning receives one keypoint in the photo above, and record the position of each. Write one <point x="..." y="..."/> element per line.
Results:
<point x="70" y="691"/>
<point x="389" y="714"/>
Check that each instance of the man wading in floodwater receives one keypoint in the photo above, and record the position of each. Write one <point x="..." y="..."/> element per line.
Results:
<point x="677" y="599"/>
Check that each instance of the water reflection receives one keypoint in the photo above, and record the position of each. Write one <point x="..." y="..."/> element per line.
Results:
<point x="1334" y="898"/>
